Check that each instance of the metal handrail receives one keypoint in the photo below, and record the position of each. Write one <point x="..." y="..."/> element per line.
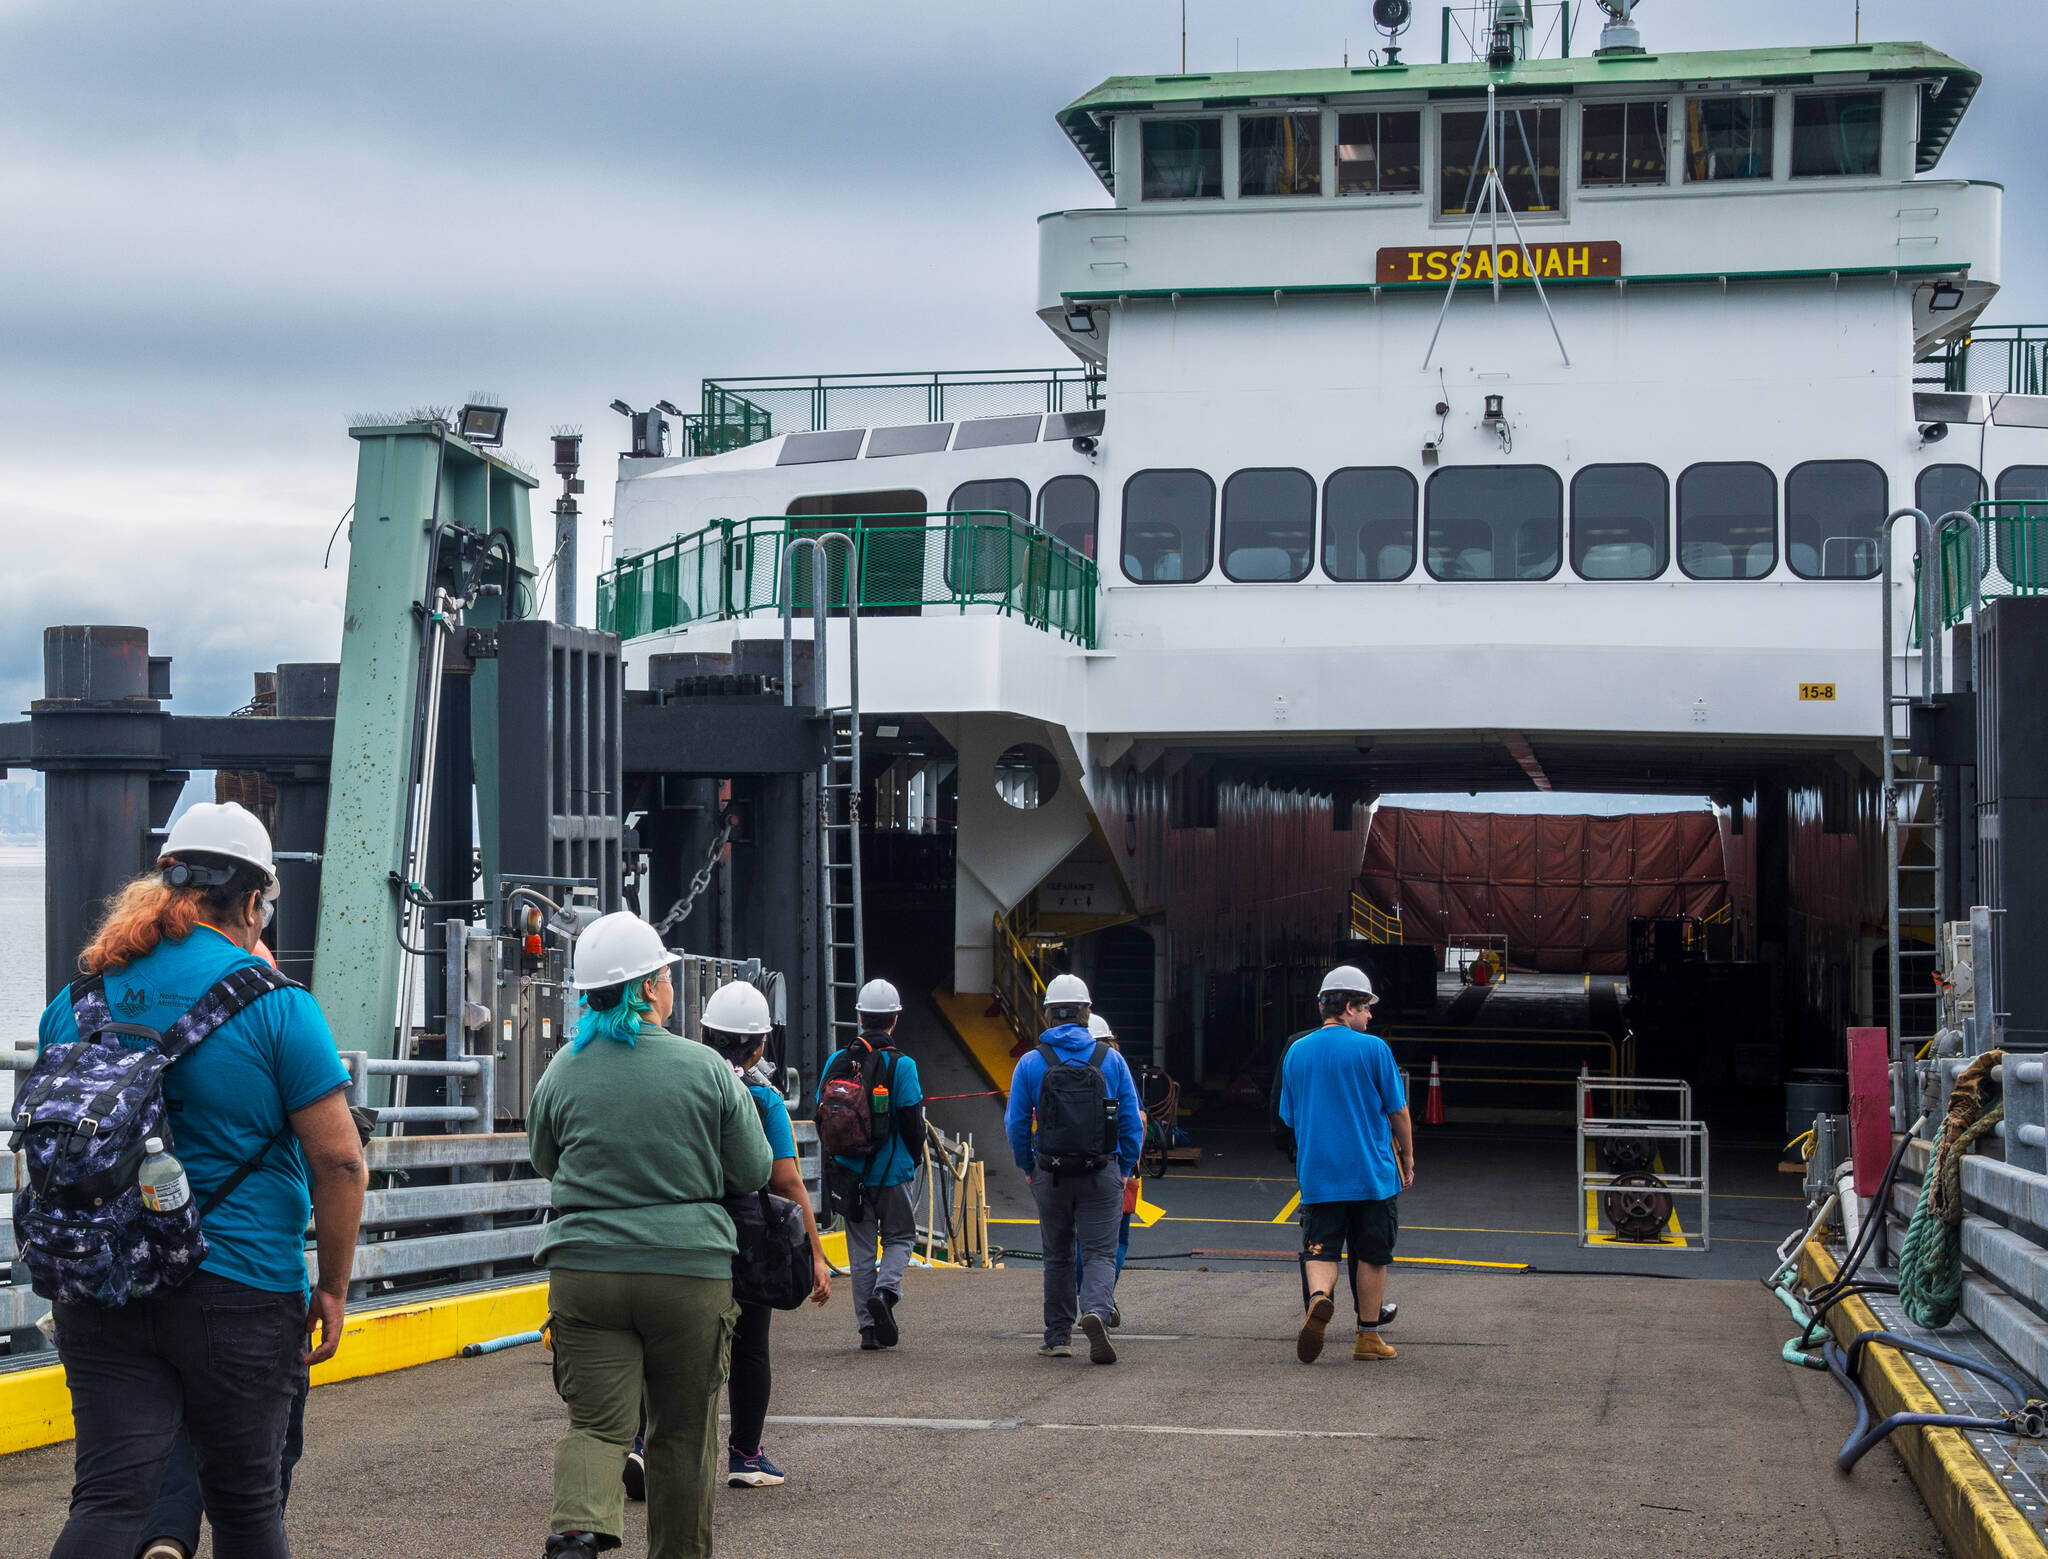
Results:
<point x="1019" y="983"/>
<point x="983" y="558"/>
<point x="2022" y="348"/>
<point x="796" y="403"/>
<point x="1370" y="923"/>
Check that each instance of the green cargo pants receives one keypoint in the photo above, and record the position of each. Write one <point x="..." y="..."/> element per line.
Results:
<point x="617" y="1335"/>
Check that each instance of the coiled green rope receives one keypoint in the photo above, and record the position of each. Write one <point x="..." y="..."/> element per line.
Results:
<point x="1931" y="1259"/>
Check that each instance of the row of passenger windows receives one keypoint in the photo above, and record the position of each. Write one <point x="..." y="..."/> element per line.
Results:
<point x="1495" y="522"/>
<point x="1834" y="135"/>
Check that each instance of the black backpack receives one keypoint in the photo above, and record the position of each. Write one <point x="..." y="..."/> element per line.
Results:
<point x="773" y="1263"/>
<point x="1076" y="1115"/>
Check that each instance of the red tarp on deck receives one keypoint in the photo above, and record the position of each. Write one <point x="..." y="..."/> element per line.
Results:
<point x="1560" y="889"/>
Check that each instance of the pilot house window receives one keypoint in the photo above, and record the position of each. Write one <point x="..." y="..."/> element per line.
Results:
<point x="1183" y="159"/>
<point x="1379" y="154"/>
<point x="1728" y="138"/>
<point x="1169" y="523"/>
<point x="1280" y="154"/>
<point x="1529" y="158"/>
<point x="1837" y="134"/>
<point x="1834" y="515"/>
<point x="1623" y="143"/>
<point x="1066" y="512"/>
<point x="1493" y="522"/>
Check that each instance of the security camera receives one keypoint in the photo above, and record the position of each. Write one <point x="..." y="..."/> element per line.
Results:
<point x="1084" y="445"/>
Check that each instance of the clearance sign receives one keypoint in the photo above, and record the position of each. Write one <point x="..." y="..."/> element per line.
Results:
<point x="1481" y="263"/>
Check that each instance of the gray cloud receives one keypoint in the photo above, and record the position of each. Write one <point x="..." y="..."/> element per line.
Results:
<point x="232" y="225"/>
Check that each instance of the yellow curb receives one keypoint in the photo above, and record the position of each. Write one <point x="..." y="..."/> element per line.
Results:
<point x="35" y="1405"/>
<point x="1973" y="1512"/>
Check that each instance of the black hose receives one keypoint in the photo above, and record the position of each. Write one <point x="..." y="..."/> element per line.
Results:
<point x="1865" y="1437"/>
<point x="1829" y="1294"/>
<point x="1858" y="1344"/>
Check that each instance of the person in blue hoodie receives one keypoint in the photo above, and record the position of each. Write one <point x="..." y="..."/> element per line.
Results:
<point x="1078" y="1138"/>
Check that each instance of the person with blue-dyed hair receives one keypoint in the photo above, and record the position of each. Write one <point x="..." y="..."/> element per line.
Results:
<point x="641" y="1133"/>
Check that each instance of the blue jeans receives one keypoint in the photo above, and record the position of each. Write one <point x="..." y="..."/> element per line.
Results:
<point x="179" y="1504"/>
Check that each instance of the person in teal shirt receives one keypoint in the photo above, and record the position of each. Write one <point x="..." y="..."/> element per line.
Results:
<point x="873" y="1193"/>
<point x="223" y="1355"/>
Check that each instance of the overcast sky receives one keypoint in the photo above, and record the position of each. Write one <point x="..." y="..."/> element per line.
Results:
<point x="232" y="226"/>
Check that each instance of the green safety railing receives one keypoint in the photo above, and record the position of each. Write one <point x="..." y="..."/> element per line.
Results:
<point x="728" y="421"/>
<point x="1996" y="359"/>
<point x="804" y="403"/>
<point x="2014" y="560"/>
<point x="908" y="563"/>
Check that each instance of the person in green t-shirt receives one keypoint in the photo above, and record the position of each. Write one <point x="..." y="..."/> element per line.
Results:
<point x="642" y="1134"/>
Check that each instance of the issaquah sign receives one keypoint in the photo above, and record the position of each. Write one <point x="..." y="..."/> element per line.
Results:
<point x="1481" y="262"/>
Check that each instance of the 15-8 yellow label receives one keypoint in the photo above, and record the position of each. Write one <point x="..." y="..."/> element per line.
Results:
<point x="1816" y="692"/>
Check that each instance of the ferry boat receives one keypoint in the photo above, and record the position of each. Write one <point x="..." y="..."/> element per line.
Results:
<point x="1519" y="423"/>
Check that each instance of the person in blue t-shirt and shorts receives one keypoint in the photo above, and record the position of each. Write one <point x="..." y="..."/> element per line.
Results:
<point x="1341" y="1095"/>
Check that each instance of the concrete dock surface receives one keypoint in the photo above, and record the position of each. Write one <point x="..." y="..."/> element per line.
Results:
<point x="1534" y="1415"/>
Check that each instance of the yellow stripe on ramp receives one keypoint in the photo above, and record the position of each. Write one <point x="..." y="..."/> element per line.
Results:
<point x="1286" y="1214"/>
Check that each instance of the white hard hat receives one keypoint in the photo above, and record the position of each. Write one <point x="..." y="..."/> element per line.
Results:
<point x="1066" y="990"/>
<point x="1098" y="1027"/>
<point x="878" y="996"/>
<point x="224" y="828"/>
<point x="737" y="1008"/>
<point x="1349" y="980"/>
<point x="616" y="948"/>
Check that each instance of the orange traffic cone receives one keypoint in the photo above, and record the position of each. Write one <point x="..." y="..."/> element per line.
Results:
<point x="1433" y="1106"/>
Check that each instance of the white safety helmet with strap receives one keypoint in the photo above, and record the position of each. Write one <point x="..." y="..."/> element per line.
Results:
<point x="878" y="997"/>
<point x="1348" y="980"/>
<point x="616" y="948"/>
<point x="221" y="828"/>
<point x="1098" y="1027"/>
<point x="1064" y="991"/>
<point x="737" y="1008"/>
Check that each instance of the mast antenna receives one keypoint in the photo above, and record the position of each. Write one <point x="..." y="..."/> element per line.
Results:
<point x="1492" y="201"/>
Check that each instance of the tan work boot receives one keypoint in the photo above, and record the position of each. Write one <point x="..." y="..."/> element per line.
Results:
<point x="1371" y="1345"/>
<point x="1308" y="1347"/>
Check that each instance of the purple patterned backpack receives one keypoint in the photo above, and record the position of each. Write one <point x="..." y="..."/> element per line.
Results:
<point x="82" y="1115"/>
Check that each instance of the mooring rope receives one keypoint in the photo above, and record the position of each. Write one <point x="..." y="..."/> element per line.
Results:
<point x="1931" y="1259"/>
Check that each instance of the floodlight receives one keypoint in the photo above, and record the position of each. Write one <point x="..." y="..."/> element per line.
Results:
<point x="669" y="407"/>
<point x="1080" y="319"/>
<point x="622" y="408"/>
<point x="482" y="425"/>
<point x="1946" y="298"/>
<point x="568" y="453"/>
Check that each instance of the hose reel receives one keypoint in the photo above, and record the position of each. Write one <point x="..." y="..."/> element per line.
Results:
<point x="1638" y="1206"/>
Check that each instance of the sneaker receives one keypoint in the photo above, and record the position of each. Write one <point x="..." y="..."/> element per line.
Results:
<point x="882" y="1311"/>
<point x="1100" y="1350"/>
<point x="1055" y="1350"/>
<point x="1371" y="1345"/>
<point x="573" y="1545"/>
<point x="635" y="1477"/>
<point x="1308" y="1346"/>
<point x="165" y="1548"/>
<point x="1116" y="1316"/>
<point x="750" y="1472"/>
<point x="867" y="1340"/>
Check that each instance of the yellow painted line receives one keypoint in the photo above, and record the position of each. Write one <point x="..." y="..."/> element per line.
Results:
<point x="1286" y="1213"/>
<point x="1455" y="1261"/>
<point x="1975" y="1515"/>
<point x="835" y="1249"/>
<point x="1145" y="1214"/>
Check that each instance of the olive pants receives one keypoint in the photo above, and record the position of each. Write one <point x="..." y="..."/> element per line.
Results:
<point x="620" y="1336"/>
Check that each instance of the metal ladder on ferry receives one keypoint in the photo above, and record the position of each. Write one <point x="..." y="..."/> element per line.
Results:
<point x="841" y="963"/>
<point x="1909" y="792"/>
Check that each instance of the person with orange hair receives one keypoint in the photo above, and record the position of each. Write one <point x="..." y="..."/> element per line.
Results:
<point x="266" y="1139"/>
